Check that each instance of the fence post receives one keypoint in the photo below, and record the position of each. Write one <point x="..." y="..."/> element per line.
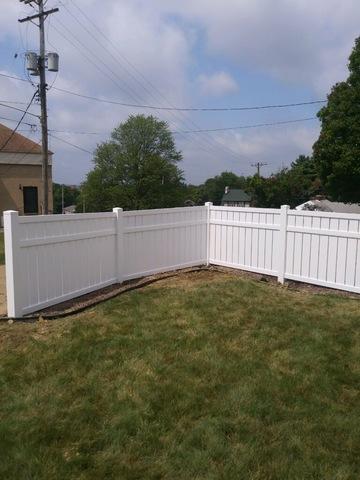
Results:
<point x="119" y="249"/>
<point x="13" y="264"/>
<point x="208" y="205"/>
<point x="283" y="242"/>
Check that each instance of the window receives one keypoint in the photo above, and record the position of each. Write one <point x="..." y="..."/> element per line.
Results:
<point x="30" y="200"/>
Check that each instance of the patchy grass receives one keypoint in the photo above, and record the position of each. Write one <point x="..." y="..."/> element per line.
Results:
<point x="206" y="376"/>
<point x="2" y="249"/>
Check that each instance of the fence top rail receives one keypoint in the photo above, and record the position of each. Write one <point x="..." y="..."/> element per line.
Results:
<point x="306" y="213"/>
<point x="65" y="218"/>
<point x="219" y="208"/>
<point x="156" y="211"/>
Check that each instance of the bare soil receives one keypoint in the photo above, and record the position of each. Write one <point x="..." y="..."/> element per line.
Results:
<point x="182" y="277"/>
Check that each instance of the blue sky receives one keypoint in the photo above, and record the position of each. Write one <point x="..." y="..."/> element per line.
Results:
<point x="199" y="53"/>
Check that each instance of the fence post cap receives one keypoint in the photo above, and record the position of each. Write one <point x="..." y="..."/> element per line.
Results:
<point x="10" y="212"/>
<point x="285" y="207"/>
<point x="208" y="204"/>
<point x="117" y="209"/>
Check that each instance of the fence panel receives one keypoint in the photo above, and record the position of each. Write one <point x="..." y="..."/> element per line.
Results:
<point x="161" y="240"/>
<point x="60" y="257"/>
<point x="324" y="249"/>
<point x="245" y="238"/>
<point x="53" y="258"/>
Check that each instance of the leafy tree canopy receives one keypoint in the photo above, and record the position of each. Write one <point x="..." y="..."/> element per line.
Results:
<point x="136" y="169"/>
<point x="290" y="186"/>
<point x="337" y="151"/>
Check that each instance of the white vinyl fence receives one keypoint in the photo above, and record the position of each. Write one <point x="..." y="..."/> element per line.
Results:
<point x="53" y="258"/>
<point x="313" y="247"/>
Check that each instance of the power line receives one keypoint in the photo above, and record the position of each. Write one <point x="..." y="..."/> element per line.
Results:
<point x="213" y="141"/>
<point x="13" y="102"/>
<point x="206" y="143"/>
<point x="104" y="69"/>
<point x="12" y="120"/>
<point x="18" y="124"/>
<point x="207" y="130"/>
<point x="13" y="77"/>
<point x="114" y="102"/>
<point x="20" y="110"/>
<point x="114" y="74"/>
<point x="76" y="133"/>
<point x="71" y="144"/>
<point x="186" y="109"/>
<point x="180" y="109"/>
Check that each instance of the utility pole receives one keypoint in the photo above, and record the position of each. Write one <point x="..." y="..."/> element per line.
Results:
<point x="41" y="71"/>
<point x="257" y="166"/>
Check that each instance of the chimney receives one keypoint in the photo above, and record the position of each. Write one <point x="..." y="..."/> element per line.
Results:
<point x="227" y="190"/>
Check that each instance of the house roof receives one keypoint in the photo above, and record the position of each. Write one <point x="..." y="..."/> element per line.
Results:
<point x="328" y="206"/>
<point x="18" y="143"/>
<point x="236" y="195"/>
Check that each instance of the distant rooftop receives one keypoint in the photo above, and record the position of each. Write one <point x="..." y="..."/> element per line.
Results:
<point x="325" y="205"/>
<point x="235" y="195"/>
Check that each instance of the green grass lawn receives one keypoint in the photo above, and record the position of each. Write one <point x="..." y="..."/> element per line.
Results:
<point x="2" y="251"/>
<point x="208" y="376"/>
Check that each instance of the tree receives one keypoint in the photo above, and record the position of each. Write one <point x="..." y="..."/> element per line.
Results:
<point x="71" y="195"/>
<point x="194" y="194"/>
<point x="136" y="169"/>
<point x="337" y="151"/>
<point x="290" y="186"/>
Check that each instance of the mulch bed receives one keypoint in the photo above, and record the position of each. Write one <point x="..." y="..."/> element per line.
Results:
<point x="77" y="305"/>
<point x="289" y="284"/>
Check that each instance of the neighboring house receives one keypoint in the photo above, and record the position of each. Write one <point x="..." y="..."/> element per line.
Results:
<point x="234" y="197"/>
<point x="20" y="174"/>
<point x="321" y="204"/>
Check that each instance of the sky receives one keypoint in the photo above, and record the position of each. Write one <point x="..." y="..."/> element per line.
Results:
<point x="181" y="53"/>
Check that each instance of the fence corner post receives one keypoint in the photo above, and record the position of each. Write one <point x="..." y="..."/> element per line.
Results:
<point x="283" y="242"/>
<point x="208" y="205"/>
<point x="13" y="264"/>
<point x="119" y="249"/>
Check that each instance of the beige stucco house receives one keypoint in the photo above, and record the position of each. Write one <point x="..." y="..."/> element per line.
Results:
<point x="20" y="174"/>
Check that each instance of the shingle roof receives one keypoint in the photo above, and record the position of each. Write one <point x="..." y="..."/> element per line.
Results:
<point x="328" y="206"/>
<point x="18" y="143"/>
<point x="236" y="195"/>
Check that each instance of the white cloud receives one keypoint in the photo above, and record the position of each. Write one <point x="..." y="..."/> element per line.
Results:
<point x="217" y="84"/>
<point x="276" y="146"/>
<point x="296" y="41"/>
